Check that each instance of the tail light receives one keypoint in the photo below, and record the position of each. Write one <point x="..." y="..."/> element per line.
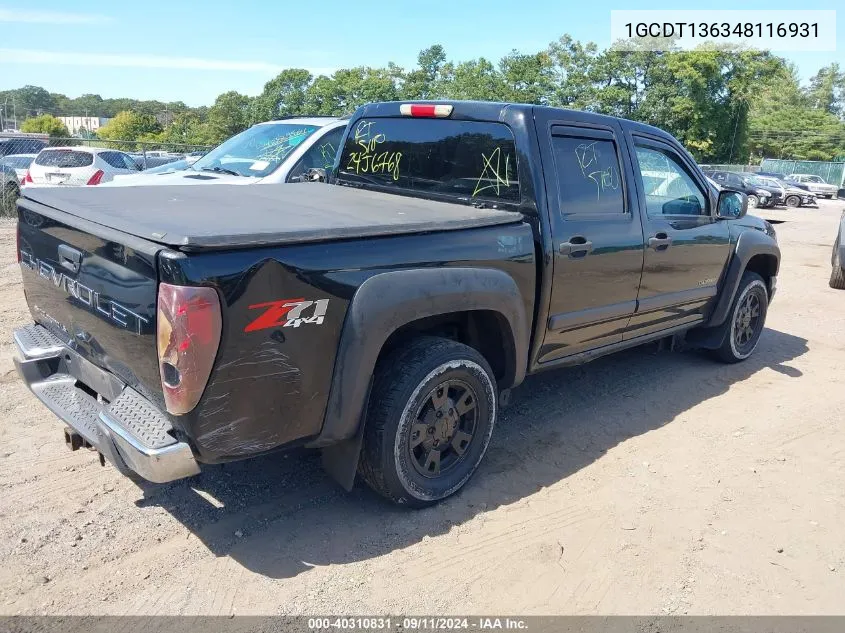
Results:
<point x="426" y="110"/>
<point x="27" y="178"/>
<point x="96" y="178"/>
<point x="189" y="326"/>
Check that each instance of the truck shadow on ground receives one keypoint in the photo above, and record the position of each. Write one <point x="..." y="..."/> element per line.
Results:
<point x="280" y="515"/>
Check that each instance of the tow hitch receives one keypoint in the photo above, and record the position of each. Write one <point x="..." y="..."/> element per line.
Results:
<point x="74" y="441"/>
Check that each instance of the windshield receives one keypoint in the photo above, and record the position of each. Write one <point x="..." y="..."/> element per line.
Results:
<point x="256" y="152"/>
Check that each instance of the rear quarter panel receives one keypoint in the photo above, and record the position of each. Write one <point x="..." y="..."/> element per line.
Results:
<point x="270" y="383"/>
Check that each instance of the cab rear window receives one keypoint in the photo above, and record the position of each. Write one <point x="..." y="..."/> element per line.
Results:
<point x="64" y="158"/>
<point x="465" y="159"/>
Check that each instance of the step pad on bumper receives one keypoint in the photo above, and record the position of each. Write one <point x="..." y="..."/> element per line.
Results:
<point x="134" y="413"/>
<point x="80" y="409"/>
<point x="129" y="431"/>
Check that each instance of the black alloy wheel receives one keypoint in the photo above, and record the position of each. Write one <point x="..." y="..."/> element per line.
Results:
<point x="444" y="428"/>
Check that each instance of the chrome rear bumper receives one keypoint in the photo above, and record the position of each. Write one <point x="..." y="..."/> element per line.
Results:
<point x="124" y="426"/>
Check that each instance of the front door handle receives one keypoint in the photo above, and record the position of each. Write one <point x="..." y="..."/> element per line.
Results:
<point x="576" y="247"/>
<point x="660" y="242"/>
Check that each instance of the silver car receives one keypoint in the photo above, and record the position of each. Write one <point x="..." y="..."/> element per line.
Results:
<point x="267" y="153"/>
<point x="815" y="184"/>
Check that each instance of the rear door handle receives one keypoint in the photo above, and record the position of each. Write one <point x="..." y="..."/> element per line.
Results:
<point x="576" y="247"/>
<point x="660" y="242"/>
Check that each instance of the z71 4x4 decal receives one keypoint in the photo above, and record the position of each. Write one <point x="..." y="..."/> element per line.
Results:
<point x="288" y="313"/>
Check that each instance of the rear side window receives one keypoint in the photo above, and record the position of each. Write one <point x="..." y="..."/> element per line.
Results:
<point x="588" y="175"/>
<point x="115" y="159"/>
<point x="64" y="158"/>
<point x="464" y="159"/>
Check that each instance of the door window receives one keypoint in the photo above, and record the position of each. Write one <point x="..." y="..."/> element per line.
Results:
<point x="113" y="159"/>
<point x="128" y="163"/>
<point x="669" y="189"/>
<point x="588" y="176"/>
<point x="321" y="155"/>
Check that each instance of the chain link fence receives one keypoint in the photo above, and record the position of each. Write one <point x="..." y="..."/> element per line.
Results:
<point x="832" y="173"/>
<point x="18" y="151"/>
<point x="725" y="167"/>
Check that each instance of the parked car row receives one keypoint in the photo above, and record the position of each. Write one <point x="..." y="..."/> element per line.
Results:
<point x="764" y="190"/>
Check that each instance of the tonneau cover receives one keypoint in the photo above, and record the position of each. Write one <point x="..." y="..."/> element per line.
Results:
<point x="232" y="216"/>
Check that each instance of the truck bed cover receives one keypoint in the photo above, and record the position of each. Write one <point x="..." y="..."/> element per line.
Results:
<point x="234" y="216"/>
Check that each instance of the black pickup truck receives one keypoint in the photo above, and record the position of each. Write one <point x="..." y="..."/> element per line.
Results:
<point x="384" y="316"/>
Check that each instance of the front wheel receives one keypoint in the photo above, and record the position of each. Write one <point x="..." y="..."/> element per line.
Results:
<point x="431" y="414"/>
<point x="753" y="201"/>
<point x="793" y="201"/>
<point x="745" y="320"/>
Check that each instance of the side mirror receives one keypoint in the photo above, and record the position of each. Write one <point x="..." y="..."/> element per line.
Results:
<point x="732" y="205"/>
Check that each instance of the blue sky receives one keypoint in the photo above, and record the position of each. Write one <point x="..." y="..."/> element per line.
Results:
<point x="192" y="51"/>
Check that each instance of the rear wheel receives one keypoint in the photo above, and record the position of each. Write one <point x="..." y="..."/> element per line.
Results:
<point x="432" y="410"/>
<point x="753" y="201"/>
<point x="793" y="201"/>
<point x="746" y="319"/>
<point x="837" y="274"/>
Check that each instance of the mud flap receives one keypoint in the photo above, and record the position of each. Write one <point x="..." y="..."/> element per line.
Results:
<point x="340" y="460"/>
<point x="706" y="338"/>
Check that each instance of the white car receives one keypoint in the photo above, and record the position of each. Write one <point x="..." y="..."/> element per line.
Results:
<point x="815" y="184"/>
<point x="77" y="166"/>
<point x="19" y="162"/>
<point x="266" y="153"/>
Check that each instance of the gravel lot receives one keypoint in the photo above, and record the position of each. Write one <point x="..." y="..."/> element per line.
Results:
<point x="643" y="483"/>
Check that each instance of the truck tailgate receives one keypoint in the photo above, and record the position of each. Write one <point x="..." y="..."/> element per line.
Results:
<point x="95" y="289"/>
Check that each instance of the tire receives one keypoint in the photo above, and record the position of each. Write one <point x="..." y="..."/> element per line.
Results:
<point x="837" y="273"/>
<point x="753" y="201"/>
<point x="738" y="346"/>
<point x="403" y="426"/>
<point x="793" y="201"/>
<point x="8" y="200"/>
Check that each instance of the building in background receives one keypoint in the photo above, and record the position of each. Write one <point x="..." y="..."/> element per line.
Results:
<point x="83" y="125"/>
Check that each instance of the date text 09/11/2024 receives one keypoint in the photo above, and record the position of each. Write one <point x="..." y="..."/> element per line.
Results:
<point x="420" y="623"/>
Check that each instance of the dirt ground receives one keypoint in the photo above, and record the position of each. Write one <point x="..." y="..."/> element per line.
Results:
<point x="643" y="483"/>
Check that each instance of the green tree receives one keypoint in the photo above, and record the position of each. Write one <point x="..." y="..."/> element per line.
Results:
<point x="424" y="81"/>
<point x="129" y="126"/>
<point x="32" y="101"/>
<point x="528" y="78"/>
<point x="46" y="124"/>
<point x="284" y="95"/>
<point x="827" y="90"/>
<point x="477" y="79"/>
<point x="228" y="116"/>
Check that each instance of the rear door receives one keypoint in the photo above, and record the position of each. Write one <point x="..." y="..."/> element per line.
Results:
<point x="597" y="236"/>
<point x="687" y="248"/>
